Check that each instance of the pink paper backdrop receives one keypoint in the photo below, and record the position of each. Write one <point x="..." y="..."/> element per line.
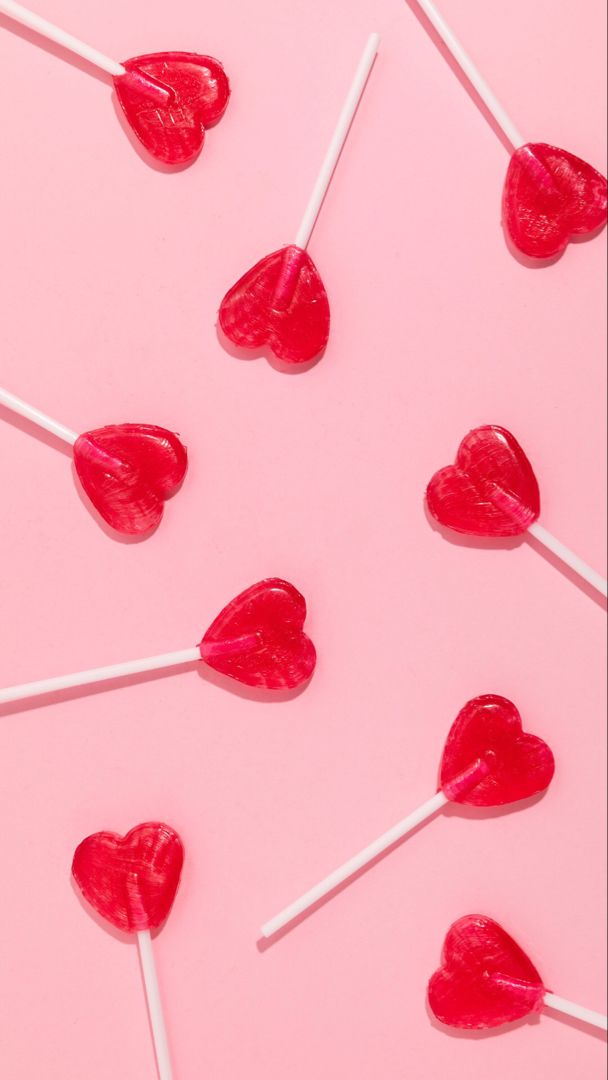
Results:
<point x="111" y="274"/>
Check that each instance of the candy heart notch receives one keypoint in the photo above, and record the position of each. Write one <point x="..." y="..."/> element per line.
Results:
<point x="485" y="980"/>
<point x="490" y="491"/>
<point x="130" y="880"/>
<point x="549" y="197"/>
<point x="488" y="732"/>
<point x="169" y="99"/>
<point x="280" y="302"/>
<point x="128" y="471"/>
<point x="258" y="639"/>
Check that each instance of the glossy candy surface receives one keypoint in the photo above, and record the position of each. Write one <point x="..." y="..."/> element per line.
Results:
<point x="549" y="197"/>
<point x="280" y="302"/>
<point x="491" y="490"/>
<point x="258" y="638"/>
<point x="170" y="99"/>
<point x="131" y="880"/>
<point x="489" y="730"/>
<point x="485" y="980"/>
<point x="127" y="471"/>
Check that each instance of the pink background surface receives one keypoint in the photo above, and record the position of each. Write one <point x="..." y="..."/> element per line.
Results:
<point x="111" y="276"/>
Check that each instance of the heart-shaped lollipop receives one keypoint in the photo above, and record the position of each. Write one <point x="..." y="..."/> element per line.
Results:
<point x="131" y="880"/>
<point x="551" y="196"/>
<point x="128" y="471"/>
<point x="489" y="729"/>
<point x="170" y="99"/>
<point x="486" y="980"/>
<point x="490" y="491"/>
<point x="270" y="616"/>
<point x="281" y="302"/>
<point x="487" y="761"/>
<point x="257" y="639"/>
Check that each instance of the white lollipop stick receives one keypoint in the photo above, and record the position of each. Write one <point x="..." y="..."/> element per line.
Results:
<point x="155" y="1007"/>
<point x="61" y="37"/>
<point x="568" y="557"/>
<point x="579" y="1012"/>
<point x="33" y="414"/>
<point x="337" y="142"/>
<point x="473" y="74"/>
<point x="356" y="863"/>
<point x="102" y="674"/>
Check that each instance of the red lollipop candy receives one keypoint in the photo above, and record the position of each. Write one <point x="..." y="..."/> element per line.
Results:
<point x="257" y="639"/>
<point x="267" y="620"/>
<point x="128" y="471"/>
<point x="492" y="491"/>
<point x="168" y="98"/>
<point x="550" y="195"/>
<point x="488" y="760"/>
<point x="508" y="764"/>
<point x="486" y="980"/>
<point x="281" y="302"/>
<point x="131" y="881"/>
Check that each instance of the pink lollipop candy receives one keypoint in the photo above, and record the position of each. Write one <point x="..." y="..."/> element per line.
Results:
<point x="128" y="471"/>
<point x="168" y="98"/>
<point x="550" y="195"/>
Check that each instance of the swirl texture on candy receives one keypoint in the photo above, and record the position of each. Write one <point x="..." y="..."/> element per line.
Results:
<point x="491" y="490"/>
<point x="258" y="638"/>
<point x="280" y="302"/>
<point x="551" y="196"/>
<point x="487" y="745"/>
<point x="131" y="880"/>
<point x="486" y="980"/>
<point x="128" y="471"/>
<point x="169" y="99"/>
